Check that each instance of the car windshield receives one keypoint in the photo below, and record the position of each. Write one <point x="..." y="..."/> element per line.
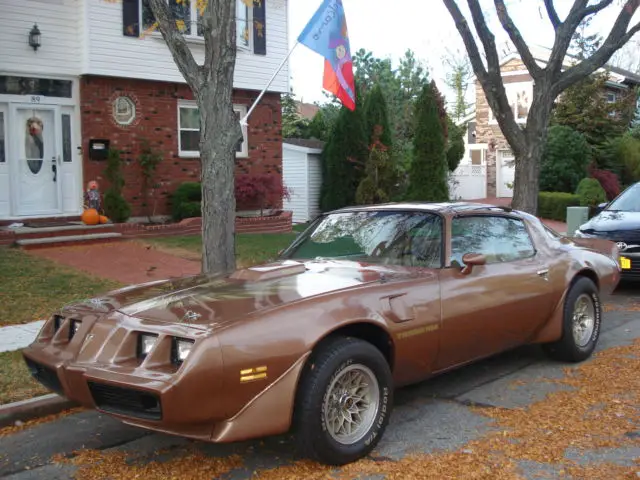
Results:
<point x="629" y="201"/>
<point x="386" y="237"/>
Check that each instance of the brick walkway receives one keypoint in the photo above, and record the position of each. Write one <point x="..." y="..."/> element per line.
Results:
<point x="127" y="262"/>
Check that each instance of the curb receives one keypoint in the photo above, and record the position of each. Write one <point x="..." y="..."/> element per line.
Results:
<point x="33" y="408"/>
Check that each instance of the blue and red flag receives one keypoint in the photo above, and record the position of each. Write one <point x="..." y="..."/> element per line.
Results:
<point x="326" y="33"/>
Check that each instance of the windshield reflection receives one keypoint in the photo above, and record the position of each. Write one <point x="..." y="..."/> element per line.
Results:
<point x="387" y="237"/>
<point x="628" y="201"/>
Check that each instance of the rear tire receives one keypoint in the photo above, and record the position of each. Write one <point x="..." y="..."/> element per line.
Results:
<point x="344" y="401"/>
<point x="581" y="323"/>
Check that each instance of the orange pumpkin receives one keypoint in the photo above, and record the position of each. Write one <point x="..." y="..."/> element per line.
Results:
<point x="90" y="217"/>
<point x="103" y="219"/>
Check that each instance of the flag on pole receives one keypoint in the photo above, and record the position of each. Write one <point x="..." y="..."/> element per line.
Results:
<point x="326" y="33"/>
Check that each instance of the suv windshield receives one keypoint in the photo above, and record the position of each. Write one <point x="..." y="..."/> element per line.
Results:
<point x="386" y="237"/>
<point x="629" y="201"/>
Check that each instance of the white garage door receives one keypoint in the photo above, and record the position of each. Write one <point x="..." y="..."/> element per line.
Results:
<point x="506" y="173"/>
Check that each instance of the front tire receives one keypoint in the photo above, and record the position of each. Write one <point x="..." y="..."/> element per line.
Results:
<point x="344" y="401"/>
<point x="581" y="323"/>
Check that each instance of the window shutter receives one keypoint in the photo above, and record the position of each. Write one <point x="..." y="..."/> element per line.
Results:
<point x="131" y="18"/>
<point x="259" y="28"/>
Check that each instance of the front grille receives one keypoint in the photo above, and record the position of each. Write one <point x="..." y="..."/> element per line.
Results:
<point x="45" y="375"/>
<point x="627" y="236"/>
<point x="126" y="401"/>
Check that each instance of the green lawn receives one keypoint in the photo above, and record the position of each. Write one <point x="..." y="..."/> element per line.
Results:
<point x="31" y="288"/>
<point x="251" y="248"/>
<point x="15" y="381"/>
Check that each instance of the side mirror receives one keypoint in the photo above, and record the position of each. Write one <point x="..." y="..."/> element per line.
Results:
<point x="471" y="260"/>
<point x="600" y="207"/>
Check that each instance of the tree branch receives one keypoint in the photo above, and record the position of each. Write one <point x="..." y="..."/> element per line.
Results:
<point x="486" y="36"/>
<point x="219" y="26"/>
<point x="516" y="38"/>
<point x="176" y="43"/>
<point x="467" y="38"/>
<point x="595" y="8"/>
<point x="616" y="39"/>
<point x="553" y="15"/>
<point x="491" y="80"/>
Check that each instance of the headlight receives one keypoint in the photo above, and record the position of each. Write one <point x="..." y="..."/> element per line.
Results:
<point x="146" y="341"/>
<point x="181" y="349"/>
<point x="73" y="328"/>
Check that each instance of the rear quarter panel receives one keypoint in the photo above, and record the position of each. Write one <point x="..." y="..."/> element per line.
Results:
<point x="566" y="261"/>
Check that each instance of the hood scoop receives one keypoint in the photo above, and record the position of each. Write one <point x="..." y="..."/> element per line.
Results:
<point x="269" y="272"/>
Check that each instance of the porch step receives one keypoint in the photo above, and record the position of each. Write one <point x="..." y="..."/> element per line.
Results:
<point x="66" y="230"/>
<point x="68" y="240"/>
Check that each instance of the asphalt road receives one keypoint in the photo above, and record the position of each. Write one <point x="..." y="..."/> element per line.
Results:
<point x="434" y="415"/>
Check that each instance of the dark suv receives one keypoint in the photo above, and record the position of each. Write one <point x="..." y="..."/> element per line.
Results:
<point x="619" y="221"/>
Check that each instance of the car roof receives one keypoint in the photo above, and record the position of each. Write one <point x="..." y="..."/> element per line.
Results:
<point x="450" y="208"/>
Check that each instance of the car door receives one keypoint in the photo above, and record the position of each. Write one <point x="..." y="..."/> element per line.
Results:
<point x="495" y="306"/>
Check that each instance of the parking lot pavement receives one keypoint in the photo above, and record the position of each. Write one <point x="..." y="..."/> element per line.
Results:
<point x="455" y="422"/>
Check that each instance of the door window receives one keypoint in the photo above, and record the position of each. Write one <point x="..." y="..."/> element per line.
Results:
<point x="500" y="239"/>
<point x="66" y="137"/>
<point x="3" y="152"/>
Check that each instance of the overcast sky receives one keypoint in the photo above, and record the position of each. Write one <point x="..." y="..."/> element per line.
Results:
<point x="388" y="28"/>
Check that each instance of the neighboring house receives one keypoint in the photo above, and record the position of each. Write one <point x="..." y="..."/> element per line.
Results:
<point x="307" y="110"/>
<point x="95" y="82"/>
<point x="489" y="147"/>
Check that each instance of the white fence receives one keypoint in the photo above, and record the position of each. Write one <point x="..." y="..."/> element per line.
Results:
<point x="468" y="182"/>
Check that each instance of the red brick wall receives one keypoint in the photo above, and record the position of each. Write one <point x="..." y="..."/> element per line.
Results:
<point x="156" y="121"/>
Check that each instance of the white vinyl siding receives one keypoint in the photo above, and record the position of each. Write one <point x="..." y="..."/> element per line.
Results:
<point x="113" y="54"/>
<point x="60" y="23"/>
<point x="302" y="175"/>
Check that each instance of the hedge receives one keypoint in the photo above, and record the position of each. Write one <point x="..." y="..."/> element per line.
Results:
<point x="553" y="205"/>
<point x="186" y="201"/>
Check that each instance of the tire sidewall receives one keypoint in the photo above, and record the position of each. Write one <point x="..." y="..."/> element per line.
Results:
<point x="583" y="286"/>
<point x="328" y="449"/>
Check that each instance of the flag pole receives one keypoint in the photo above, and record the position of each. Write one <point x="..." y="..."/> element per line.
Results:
<point x="243" y="121"/>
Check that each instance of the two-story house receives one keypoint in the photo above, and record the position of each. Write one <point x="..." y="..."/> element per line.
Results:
<point x="91" y="80"/>
<point x="487" y="147"/>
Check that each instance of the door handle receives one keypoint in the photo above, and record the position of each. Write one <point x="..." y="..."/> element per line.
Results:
<point x="544" y="273"/>
<point x="54" y="169"/>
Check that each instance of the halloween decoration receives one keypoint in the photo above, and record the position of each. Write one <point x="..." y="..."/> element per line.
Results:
<point x="34" y="144"/>
<point x="92" y="214"/>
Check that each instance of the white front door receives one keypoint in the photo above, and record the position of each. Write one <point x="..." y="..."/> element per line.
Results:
<point x="35" y="159"/>
<point x="506" y="173"/>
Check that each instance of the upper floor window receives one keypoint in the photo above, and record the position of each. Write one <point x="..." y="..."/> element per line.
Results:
<point x="189" y="130"/>
<point x="500" y="239"/>
<point x="189" y="19"/>
<point x="519" y="95"/>
<point x="611" y="97"/>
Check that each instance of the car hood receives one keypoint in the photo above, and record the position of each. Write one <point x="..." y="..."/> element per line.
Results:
<point x="208" y="300"/>
<point x="608" y="221"/>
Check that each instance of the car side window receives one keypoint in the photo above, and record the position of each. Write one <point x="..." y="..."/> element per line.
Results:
<point x="500" y="239"/>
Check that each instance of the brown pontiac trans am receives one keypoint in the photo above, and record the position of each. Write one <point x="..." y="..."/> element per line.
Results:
<point x="367" y="299"/>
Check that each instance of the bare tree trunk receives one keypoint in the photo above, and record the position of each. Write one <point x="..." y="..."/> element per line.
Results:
<point x="212" y="86"/>
<point x="218" y="138"/>
<point x="528" y="153"/>
<point x="526" y="181"/>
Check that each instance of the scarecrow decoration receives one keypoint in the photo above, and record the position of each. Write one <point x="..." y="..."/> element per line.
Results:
<point x="93" y="213"/>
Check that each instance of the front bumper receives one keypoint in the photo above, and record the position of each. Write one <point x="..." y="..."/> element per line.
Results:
<point x="99" y="368"/>
<point x="633" y="264"/>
